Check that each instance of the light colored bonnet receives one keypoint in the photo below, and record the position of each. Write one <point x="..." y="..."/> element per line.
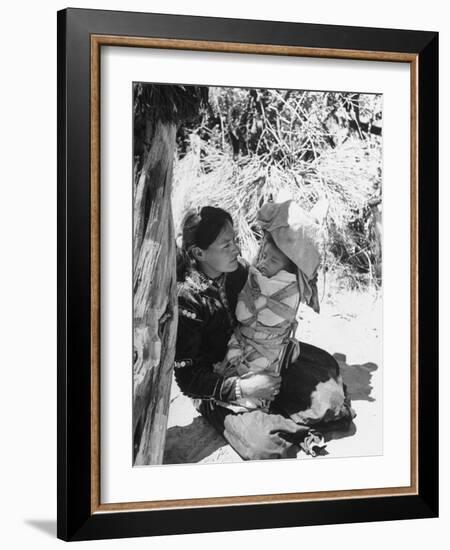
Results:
<point x="298" y="235"/>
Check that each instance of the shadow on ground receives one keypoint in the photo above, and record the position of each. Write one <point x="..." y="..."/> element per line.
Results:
<point x="199" y="441"/>
<point x="337" y="430"/>
<point x="191" y="443"/>
<point x="357" y="378"/>
<point x="47" y="526"/>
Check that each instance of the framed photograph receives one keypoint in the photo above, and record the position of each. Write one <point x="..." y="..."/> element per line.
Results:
<point x="247" y="274"/>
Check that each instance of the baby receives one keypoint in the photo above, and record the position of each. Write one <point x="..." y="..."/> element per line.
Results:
<point x="283" y="276"/>
<point x="266" y="312"/>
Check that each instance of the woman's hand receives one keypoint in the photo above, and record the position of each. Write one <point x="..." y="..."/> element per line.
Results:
<point x="262" y="386"/>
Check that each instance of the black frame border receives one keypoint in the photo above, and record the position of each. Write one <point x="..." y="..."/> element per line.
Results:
<point x="75" y="520"/>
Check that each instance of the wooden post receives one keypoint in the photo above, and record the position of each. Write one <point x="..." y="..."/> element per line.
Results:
<point x="154" y="292"/>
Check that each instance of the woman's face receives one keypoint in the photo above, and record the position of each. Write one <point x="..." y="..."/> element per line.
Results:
<point x="221" y="256"/>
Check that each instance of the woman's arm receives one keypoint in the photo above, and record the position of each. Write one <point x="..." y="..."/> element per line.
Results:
<point x="193" y="368"/>
<point x="194" y="364"/>
<point x="194" y="372"/>
<point x="260" y="386"/>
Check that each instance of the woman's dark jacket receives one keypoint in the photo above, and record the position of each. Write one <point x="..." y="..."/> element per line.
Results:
<point x="206" y="320"/>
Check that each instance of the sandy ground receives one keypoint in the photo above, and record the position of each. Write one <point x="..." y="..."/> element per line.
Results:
<point x="348" y="327"/>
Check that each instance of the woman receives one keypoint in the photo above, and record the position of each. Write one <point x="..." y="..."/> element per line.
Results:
<point x="210" y="277"/>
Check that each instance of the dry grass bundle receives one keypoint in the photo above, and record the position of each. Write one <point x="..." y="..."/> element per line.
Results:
<point x="347" y="177"/>
<point x="239" y="188"/>
<point x="308" y="146"/>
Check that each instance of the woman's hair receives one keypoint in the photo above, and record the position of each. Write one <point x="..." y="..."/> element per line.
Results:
<point x="199" y="227"/>
<point x="290" y="266"/>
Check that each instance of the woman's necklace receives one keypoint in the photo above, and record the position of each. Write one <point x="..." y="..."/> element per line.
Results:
<point x="219" y="284"/>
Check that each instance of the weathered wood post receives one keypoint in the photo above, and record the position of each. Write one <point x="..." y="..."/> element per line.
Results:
<point x="154" y="286"/>
<point x="154" y="275"/>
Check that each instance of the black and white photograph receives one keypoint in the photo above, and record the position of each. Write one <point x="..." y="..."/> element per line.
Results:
<point x="257" y="274"/>
<point x="224" y="244"/>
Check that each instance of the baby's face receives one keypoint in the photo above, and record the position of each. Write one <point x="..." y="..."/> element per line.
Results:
<point x="271" y="261"/>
